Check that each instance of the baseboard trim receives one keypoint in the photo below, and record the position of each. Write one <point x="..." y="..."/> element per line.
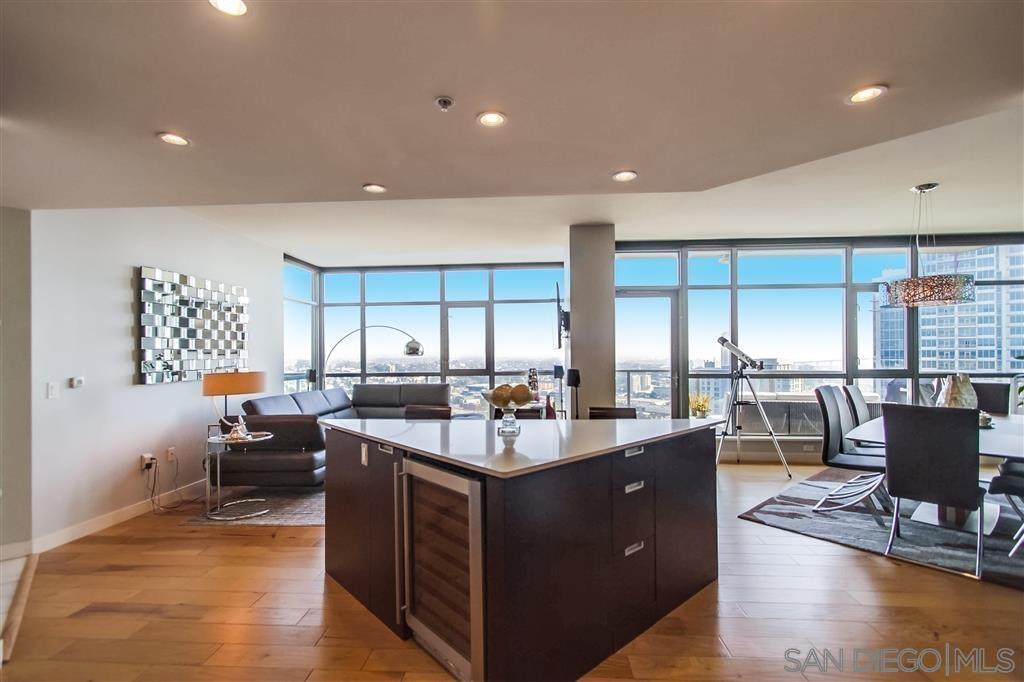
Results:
<point x="14" y="616"/>
<point x="14" y="550"/>
<point x="65" y="535"/>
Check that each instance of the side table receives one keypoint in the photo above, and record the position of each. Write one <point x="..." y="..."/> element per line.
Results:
<point x="215" y="512"/>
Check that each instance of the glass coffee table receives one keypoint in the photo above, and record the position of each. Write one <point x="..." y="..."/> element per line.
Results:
<point x="215" y="512"/>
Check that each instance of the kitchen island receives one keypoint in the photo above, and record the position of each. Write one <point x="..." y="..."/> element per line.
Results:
<point x="530" y="562"/>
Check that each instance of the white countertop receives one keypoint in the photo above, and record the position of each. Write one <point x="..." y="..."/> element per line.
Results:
<point x="543" y="443"/>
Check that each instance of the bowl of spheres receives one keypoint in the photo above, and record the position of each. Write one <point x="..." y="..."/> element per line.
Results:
<point x="508" y="399"/>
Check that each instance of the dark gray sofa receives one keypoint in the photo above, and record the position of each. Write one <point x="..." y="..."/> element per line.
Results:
<point x="368" y="401"/>
<point x="296" y="456"/>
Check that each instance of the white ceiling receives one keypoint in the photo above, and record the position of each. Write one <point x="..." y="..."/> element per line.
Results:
<point x="306" y="101"/>
<point x="864" y="192"/>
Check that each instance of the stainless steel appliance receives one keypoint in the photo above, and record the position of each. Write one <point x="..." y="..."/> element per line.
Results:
<point x="444" y="604"/>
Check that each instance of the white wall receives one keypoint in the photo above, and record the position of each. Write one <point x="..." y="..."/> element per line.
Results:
<point x="15" y="382"/>
<point x="87" y="441"/>
<point x="592" y="313"/>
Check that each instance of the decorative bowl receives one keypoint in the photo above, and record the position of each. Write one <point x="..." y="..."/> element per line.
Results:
<point x="508" y="399"/>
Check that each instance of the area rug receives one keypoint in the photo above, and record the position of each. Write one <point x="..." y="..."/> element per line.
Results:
<point x="288" y="507"/>
<point x="865" y="527"/>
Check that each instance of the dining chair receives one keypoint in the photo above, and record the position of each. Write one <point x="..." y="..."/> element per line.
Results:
<point x="993" y="397"/>
<point x="612" y="413"/>
<point x="524" y="413"/>
<point x="858" y="403"/>
<point x="1012" y="487"/>
<point x="840" y="453"/>
<point x="428" y="412"/>
<point x="859" y="406"/>
<point x="931" y="455"/>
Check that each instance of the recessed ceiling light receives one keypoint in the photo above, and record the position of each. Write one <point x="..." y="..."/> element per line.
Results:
<point x="624" y="176"/>
<point x="175" y="139"/>
<point x="374" y="188"/>
<point x="492" y="119"/>
<point x="235" y="8"/>
<point x="867" y="94"/>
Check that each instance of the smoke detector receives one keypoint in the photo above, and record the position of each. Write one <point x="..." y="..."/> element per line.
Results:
<point x="444" y="102"/>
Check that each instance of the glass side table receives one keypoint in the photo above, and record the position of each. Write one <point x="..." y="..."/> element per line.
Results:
<point x="215" y="512"/>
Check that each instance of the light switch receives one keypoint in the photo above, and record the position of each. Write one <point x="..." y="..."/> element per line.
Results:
<point x="51" y="390"/>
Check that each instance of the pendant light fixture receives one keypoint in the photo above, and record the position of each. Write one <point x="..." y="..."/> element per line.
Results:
<point x="926" y="290"/>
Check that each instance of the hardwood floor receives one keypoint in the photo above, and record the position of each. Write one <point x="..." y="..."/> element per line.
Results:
<point x="152" y="599"/>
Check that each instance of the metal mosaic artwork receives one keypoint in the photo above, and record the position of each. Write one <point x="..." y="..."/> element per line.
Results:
<point x="189" y="326"/>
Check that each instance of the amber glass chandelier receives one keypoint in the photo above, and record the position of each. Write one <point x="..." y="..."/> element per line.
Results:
<point x="926" y="290"/>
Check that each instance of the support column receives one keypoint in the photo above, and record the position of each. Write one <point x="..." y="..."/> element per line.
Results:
<point x="592" y="306"/>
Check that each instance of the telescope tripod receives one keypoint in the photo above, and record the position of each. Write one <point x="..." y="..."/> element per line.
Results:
<point x="733" y="406"/>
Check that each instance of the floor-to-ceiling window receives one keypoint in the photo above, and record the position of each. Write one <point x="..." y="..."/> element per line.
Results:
<point x="812" y="312"/>
<point x="300" y="287"/>
<point x="478" y="325"/>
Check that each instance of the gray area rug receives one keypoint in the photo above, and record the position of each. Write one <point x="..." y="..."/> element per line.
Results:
<point x="864" y="527"/>
<point x="288" y="507"/>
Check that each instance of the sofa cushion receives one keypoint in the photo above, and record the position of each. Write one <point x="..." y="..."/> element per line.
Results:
<point x="291" y="432"/>
<point x="424" y="394"/>
<point x="312" y="402"/>
<point x="272" y="404"/>
<point x="271" y="460"/>
<point x="377" y="395"/>
<point x="338" y="399"/>
<point x="347" y="413"/>
<point x="376" y="412"/>
<point x="274" y="479"/>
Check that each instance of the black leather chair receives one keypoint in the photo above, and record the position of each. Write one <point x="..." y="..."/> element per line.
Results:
<point x="839" y="452"/>
<point x="1013" y="488"/>
<point x="855" y="397"/>
<point x="993" y="398"/>
<point x="523" y="413"/>
<point x="931" y="455"/>
<point x="612" y="413"/>
<point x="859" y="408"/>
<point x="294" y="457"/>
<point x="415" y="412"/>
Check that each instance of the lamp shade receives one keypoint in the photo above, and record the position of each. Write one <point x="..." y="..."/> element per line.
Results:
<point x="233" y="383"/>
<point x="572" y="378"/>
<point x="559" y="371"/>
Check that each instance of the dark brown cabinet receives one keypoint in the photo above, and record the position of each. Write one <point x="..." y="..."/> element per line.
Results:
<point x="364" y="522"/>
<point x="577" y="559"/>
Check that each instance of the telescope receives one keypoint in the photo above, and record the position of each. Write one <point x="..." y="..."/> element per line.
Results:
<point x="740" y="355"/>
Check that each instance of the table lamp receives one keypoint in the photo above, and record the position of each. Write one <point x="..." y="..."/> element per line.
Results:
<point x="233" y="383"/>
<point x="572" y="378"/>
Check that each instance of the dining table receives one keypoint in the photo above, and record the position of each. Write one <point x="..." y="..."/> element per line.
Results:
<point x="1003" y="438"/>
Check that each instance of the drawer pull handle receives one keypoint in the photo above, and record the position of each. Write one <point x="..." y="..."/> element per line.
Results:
<point x="634" y="548"/>
<point x="633" y="487"/>
<point x="385" y="448"/>
<point x="633" y="452"/>
<point x="364" y="455"/>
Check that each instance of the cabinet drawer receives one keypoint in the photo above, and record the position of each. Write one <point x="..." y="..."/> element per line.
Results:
<point x="632" y="464"/>
<point x="632" y="512"/>
<point x="633" y="590"/>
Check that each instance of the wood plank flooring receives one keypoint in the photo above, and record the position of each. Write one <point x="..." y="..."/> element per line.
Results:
<point x="152" y="599"/>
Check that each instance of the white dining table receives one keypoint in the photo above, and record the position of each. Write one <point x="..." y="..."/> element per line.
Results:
<point x="1004" y="439"/>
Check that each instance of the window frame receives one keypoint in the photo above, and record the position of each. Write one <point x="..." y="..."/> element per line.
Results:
<point x="851" y="372"/>
<point x="444" y="305"/>
<point x="316" y="337"/>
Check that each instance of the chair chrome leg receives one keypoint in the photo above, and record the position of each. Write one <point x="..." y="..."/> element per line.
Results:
<point x="1016" y="546"/>
<point x="895" y="530"/>
<point x="981" y="538"/>
<point x="857" y="489"/>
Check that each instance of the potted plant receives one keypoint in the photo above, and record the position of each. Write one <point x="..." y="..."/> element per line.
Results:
<point x="700" y="404"/>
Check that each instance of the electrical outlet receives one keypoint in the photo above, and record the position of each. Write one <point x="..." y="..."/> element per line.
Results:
<point x="51" y="390"/>
<point x="148" y="461"/>
<point x="172" y="456"/>
<point x="810" y="448"/>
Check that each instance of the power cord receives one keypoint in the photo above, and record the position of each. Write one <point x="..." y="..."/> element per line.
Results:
<point x="154" y="489"/>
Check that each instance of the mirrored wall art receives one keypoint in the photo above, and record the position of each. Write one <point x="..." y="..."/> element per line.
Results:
<point x="188" y="326"/>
